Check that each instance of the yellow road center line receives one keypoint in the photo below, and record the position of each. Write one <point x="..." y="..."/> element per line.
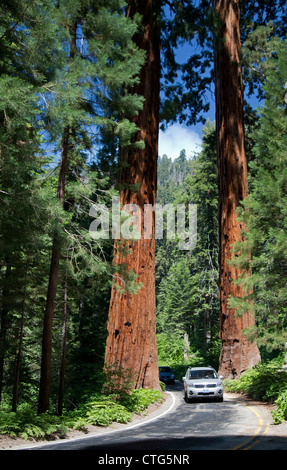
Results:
<point x="257" y="440"/>
<point x="260" y="422"/>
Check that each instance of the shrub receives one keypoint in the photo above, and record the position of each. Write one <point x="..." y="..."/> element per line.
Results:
<point x="98" y="410"/>
<point x="104" y="410"/>
<point x="267" y="382"/>
<point x="280" y="414"/>
<point x="117" y="380"/>
<point x="140" y="399"/>
<point x="104" y="413"/>
<point x="26" y="424"/>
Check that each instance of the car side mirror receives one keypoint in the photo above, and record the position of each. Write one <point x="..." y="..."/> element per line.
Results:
<point x="221" y="377"/>
<point x="183" y="379"/>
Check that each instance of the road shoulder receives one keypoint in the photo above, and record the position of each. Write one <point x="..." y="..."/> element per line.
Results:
<point x="264" y="409"/>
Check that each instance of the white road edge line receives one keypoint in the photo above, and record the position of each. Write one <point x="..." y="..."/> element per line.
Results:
<point x="101" y="433"/>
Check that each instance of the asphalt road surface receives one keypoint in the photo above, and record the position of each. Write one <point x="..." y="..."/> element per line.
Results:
<point x="179" y="426"/>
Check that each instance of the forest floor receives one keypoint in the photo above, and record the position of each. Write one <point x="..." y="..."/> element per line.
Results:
<point x="14" y="443"/>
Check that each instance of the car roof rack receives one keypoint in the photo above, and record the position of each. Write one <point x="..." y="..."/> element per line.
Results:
<point x="200" y="367"/>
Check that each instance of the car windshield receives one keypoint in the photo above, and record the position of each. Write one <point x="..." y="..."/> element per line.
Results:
<point x="203" y="374"/>
<point x="164" y="369"/>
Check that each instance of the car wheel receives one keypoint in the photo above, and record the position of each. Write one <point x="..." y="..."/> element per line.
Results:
<point x="220" y="399"/>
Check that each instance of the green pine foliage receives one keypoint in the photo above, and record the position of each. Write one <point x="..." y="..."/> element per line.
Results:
<point x="70" y="63"/>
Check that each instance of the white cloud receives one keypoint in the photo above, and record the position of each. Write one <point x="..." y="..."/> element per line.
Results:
<point x="176" y="138"/>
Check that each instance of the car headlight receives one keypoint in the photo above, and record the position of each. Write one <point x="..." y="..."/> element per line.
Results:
<point x="190" y="385"/>
<point x="219" y="384"/>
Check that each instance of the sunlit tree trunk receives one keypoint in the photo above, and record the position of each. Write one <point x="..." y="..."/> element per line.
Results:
<point x="237" y="353"/>
<point x="131" y="340"/>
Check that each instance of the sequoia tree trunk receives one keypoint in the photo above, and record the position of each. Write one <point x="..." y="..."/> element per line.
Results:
<point x="237" y="353"/>
<point x="131" y="341"/>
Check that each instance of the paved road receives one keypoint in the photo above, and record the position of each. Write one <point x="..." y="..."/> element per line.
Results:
<point x="179" y="426"/>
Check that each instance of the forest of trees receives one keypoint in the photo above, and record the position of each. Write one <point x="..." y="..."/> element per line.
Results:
<point x="188" y="324"/>
<point x="85" y="86"/>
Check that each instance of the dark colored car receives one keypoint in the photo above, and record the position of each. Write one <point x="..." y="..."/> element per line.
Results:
<point x="166" y="375"/>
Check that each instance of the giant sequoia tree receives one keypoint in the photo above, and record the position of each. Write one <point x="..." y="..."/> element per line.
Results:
<point x="237" y="353"/>
<point x="94" y="69"/>
<point x="131" y="341"/>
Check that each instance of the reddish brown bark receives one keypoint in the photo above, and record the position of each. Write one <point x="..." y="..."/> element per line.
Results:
<point x="131" y="340"/>
<point x="237" y="353"/>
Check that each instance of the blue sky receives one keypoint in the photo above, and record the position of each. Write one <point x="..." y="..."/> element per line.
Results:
<point x="178" y="137"/>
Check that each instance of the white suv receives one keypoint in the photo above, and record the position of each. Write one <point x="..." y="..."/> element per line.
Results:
<point x="202" y="382"/>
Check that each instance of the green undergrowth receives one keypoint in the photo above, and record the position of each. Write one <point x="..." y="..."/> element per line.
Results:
<point x="265" y="382"/>
<point x="25" y="423"/>
<point x="98" y="410"/>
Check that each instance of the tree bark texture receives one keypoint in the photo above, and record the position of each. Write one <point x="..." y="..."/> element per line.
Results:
<point x="237" y="353"/>
<point x="131" y="340"/>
